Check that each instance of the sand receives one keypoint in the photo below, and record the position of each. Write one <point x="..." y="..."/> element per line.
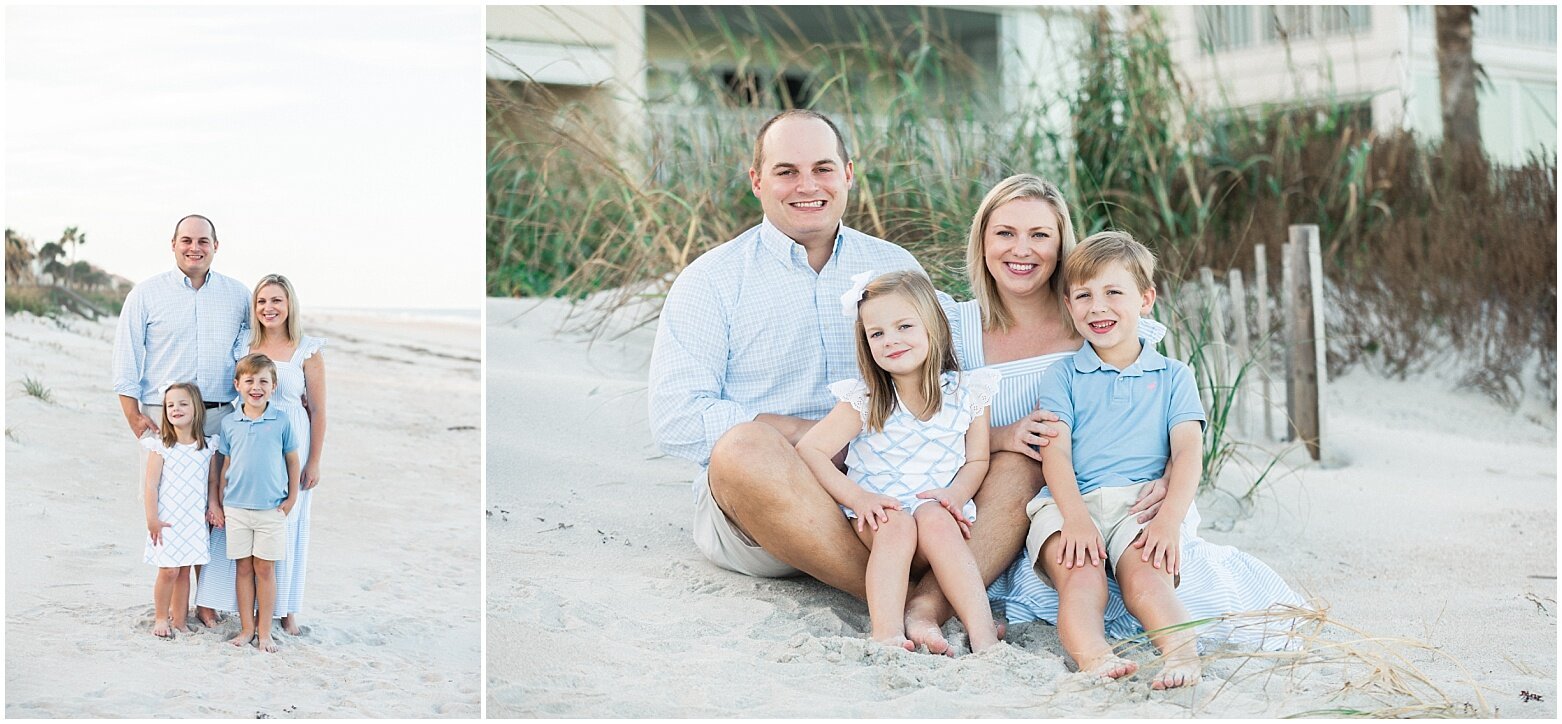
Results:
<point x="392" y="607"/>
<point x="1435" y="524"/>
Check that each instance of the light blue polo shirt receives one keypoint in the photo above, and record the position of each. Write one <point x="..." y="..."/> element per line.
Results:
<point x="257" y="471"/>
<point x="1120" y="421"/>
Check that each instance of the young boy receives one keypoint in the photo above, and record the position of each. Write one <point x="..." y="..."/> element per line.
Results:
<point x="1127" y="416"/>
<point x="260" y="469"/>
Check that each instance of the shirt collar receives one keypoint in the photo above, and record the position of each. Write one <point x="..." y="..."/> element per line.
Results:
<point x="1086" y="360"/>
<point x="270" y="412"/>
<point x="784" y="247"/>
<point x="184" y="280"/>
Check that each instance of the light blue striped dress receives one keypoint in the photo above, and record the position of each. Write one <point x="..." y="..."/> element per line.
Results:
<point x="1216" y="579"/>
<point x="215" y="589"/>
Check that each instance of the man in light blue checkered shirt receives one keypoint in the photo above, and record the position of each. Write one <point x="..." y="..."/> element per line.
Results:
<point x="180" y="326"/>
<point x="751" y="335"/>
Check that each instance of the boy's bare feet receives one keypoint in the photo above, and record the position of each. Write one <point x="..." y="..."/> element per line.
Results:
<point x="242" y="639"/>
<point x="1108" y="665"/>
<point x="160" y="629"/>
<point x="1179" y="671"/>
<point x="266" y="644"/>
<point x="290" y="625"/>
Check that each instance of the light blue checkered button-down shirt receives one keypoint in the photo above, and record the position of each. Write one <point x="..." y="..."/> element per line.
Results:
<point x="750" y="328"/>
<point x="169" y="331"/>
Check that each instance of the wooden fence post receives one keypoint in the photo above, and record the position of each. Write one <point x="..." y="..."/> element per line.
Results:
<point x="1304" y="324"/>
<point x="1261" y="283"/>
<point x="1244" y="360"/>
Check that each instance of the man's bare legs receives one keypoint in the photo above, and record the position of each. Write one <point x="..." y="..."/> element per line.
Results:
<point x="1151" y="597"/>
<point x="1082" y="613"/>
<point x="996" y="537"/>
<point x="760" y="483"/>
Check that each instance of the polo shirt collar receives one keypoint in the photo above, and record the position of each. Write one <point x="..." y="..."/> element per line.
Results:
<point x="784" y="247"/>
<point x="270" y="412"/>
<point x="1086" y="360"/>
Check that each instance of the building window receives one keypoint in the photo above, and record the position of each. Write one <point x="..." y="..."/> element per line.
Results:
<point x="1297" y="22"/>
<point x="752" y="89"/>
<point x="1224" y="27"/>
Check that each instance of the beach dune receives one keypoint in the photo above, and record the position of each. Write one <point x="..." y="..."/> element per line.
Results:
<point x="392" y="608"/>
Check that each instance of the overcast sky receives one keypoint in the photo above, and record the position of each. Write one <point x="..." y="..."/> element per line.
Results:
<point x="342" y="147"/>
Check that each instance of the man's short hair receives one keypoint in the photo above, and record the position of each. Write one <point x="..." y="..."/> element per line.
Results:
<point x="1093" y="254"/>
<point x="759" y="143"/>
<point x="194" y="216"/>
<point x="254" y="364"/>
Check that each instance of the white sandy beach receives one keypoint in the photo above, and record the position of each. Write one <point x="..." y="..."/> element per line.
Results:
<point x="392" y="606"/>
<point x="1439" y="526"/>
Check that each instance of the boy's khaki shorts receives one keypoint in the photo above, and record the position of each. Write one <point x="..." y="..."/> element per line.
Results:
<point x="258" y="533"/>
<point x="1108" y="508"/>
<point x="724" y="544"/>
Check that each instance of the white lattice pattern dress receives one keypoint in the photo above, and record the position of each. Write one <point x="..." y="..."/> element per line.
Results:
<point x="910" y="456"/>
<point x="181" y="502"/>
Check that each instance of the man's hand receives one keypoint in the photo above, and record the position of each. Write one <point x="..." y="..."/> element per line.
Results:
<point x="140" y="425"/>
<point x="1027" y="434"/>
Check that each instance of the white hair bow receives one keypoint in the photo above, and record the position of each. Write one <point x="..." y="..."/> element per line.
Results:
<point x="853" y="295"/>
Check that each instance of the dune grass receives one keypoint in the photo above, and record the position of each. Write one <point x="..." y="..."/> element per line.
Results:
<point x="35" y="388"/>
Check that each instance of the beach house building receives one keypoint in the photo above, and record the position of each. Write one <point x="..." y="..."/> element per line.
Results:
<point x="1382" y="58"/>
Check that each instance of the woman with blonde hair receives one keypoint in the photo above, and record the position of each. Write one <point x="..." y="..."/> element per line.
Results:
<point x="300" y="394"/>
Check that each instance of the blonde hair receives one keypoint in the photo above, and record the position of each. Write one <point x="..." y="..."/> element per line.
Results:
<point x="918" y="290"/>
<point x="983" y="287"/>
<point x="1105" y="248"/>
<point x="291" y="327"/>
<point x="166" y="431"/>
<point x="254" y="364"/>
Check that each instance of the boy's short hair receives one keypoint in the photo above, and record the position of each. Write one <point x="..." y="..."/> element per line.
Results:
<point x="252" y="364"/>
<point x="1093" y="254"/>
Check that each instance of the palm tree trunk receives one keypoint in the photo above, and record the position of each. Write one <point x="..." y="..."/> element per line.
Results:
<point x="1456" y="71"/>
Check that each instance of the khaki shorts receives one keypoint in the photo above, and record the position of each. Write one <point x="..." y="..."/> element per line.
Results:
<point x="258" y="533"/>
<point x="726" y="545"/>
<point x="1108" y="508"/>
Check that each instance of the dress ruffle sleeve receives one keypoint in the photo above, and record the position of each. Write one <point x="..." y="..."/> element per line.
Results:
<point x="308" y="346"/>
<point x="152" y="443"/>
<point x="853" y="391"/>
<point x="1151" y="331"/>
<point x="983" y="386"/>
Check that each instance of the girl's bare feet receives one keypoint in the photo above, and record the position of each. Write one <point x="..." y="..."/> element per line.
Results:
<point x="161" y="629"/>
<point x="242" y="639"/>
<point x="267" y="645"/>
<point x="1108" y="665"/>
<point x="290" y="625"/>
<point x="898" y="640"/>
<point x="206" y="616"/>
<point x="1179" y="671"/>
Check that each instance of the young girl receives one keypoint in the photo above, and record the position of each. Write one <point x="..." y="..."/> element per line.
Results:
<point x="176" y="477"/>
<point x="917" y="429"/>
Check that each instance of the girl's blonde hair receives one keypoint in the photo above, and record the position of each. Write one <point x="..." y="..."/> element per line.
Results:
<point x="983" y="287"/>
<point x="291" y="327"/>
<point x="166" y="430"/>
<point x="917" y="289"/>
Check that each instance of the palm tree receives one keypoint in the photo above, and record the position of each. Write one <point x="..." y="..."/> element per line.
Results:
<point x="72" y="238"/>
<point x="49" y="260"/>
<point x="1456" y="73"/>
<point x="18" y="257"/>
